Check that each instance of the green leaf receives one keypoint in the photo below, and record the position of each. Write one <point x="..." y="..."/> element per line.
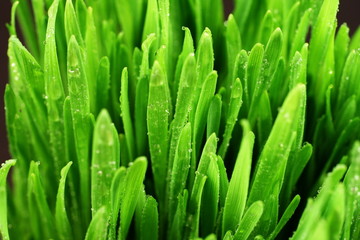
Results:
<point x="183" y="103"/>
<point x="126" y="115"/>
<point x="205" y="61"/>
<point x="176" y="229"/>
<point x="207" y="156"/>
<point x="105" y="160"/>
<point x="81" y="118"/>
<point x="239" y="183"/>
<point x="249" y="221"/>
<point x="4" y="170"/>
<point x="117" y="191"/>
<point x="180" y="168"/>
<point x="103" y="84"/>
<point x="149" y="220"/>
<point x="342" y="41"/>
<point x="92" y="58"/>
<point x="214" y="116"/>
<point x="72" y="27"/>
<point x="232" y="115"/>
<point x="98" y="226"/>
<point x="351" y="72"/>
<point x="210" y="198"/>
<point x="275" y="156"/>
<point x="158" y="123"/>
<point x="134" y="177"/>
<point x="286" y="216"/>
<point x="352" y="186"/>
<point x="43" y="222"/>
<point x="142" y="95"/>
<point x="207" y="92"/>
<point x="253" y="69"/>
<point x="54" y="91"/>
<point x="61" y="219"/>
<point x="188" y="48"/>
<point x="316" y="210"/>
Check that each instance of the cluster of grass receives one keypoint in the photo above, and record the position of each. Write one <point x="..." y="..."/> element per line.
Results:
<point x="127" y="125"/>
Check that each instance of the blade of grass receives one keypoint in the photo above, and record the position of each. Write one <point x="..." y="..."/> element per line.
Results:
<point x="210" y="198"/>
<point x="275" y="156"/>
<point x="82" y="120"/>
<point x="157" y="121"/>
<point x="61" y="219"/>
<point x="134" y="178"/>
<point x="72" y="27"/>
<point x="126" y="115"/>
<point x="232" y="115"/>
<point x="239" y="183"/>
<point x="249" y="221"/>
<point x="98" y="226"/>
<point x="149" y="220"/>
<point x="4" y="170"/>
<point x="54" y="91"/>
<point x="180" y="168"/>
<point x="105" y="160"/>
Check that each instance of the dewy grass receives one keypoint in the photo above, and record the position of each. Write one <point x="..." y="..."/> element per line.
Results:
<point x="156" y="120"/>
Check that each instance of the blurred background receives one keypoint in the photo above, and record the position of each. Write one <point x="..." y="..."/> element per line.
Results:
<point x="349" y="13"/>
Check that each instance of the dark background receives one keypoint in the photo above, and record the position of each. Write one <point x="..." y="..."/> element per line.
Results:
<point x="348" y="13"/>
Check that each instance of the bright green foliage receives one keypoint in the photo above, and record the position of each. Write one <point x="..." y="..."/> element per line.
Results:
<point x="123" y="118"/>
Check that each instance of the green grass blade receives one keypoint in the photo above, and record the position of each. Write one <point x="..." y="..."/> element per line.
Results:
<point x="194" y="205"/>
<point x="142" y="95"/>
<point x="176" y="229"/>
<point x="40" y="24"/>
<point x="152" y="21"/>
<point x="149" y="220"/>
<point x="126" y="115"/>
<point x="188" y="48"/>
<point x="342" y="42"/>
<point x="180" y="168"/>
<point x="27" y="25"/>
<point x="105" y="160"/>
<point x="239" y="183"/>
<point x="3" y="199"/>
<point x="253" y="69"/>
<point x="300" y="34"/>
<point x="352" y="186"/>
<point x="351" y="72"/>
<point x="210" y="198"/>
<point x="275" y="156"/>
<point x="232" y="115"/>
<point x="61" y="219"/>
<point x="157" y="121"/>
<point x="199" y="182"/>
<point x="249" y="221"/>
<point x="183" y="103"/>
<point x="315" y="209"/>
<point x="233" y="48"/>
<point x="54" y="91"/>
<point x="82" y="16"/>
<point x="214" y="116"/>
<point x="286" y="216"/>
<point x="38" y="204"/>
<point x="97" y="229"/>
<point x="82" y="122"/>
<point x="199" y="123"/>
<point x="103" y="84"/>
<point x="92" y="58"/>
<point x="224" y="181"/>
<point x="134" y="177"/>
<point x="117" y="191"/>
<point x="205" y="61"/>
<point x="72" y="27"/>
